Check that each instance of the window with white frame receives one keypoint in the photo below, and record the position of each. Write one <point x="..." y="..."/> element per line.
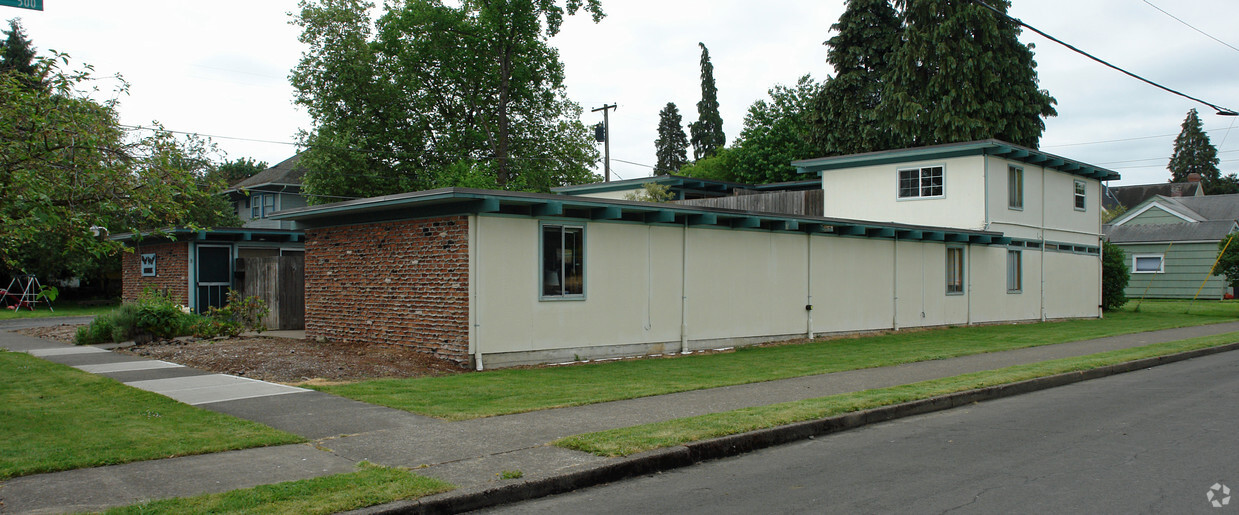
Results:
<point x="1015" y="271"/>
<point x="563" y="261"/>
<point x="1015" y="187"/>
<point x="954" y="270"/>
<point x="921" y="182"/>
<point x="1079" y="195"/>
<point x="1148" y="263"/>
<point x="261" y="205"/>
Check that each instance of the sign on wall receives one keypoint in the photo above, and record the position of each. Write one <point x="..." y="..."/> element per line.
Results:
<point x="148" y="265"/>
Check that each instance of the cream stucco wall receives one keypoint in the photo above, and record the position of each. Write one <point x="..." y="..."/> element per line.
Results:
<point x="741" y="286"/>
<point x="872" y="193"/>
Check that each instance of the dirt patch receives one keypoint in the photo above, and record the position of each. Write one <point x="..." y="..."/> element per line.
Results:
<point x="280" y="360"/>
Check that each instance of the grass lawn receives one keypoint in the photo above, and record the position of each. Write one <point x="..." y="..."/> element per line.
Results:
<point x="631" y="440"/>
<point x="499" y="392"/>
<point x="63" y="309"/>
<point x="369" y="486"/>
<point x="54" y="417"/>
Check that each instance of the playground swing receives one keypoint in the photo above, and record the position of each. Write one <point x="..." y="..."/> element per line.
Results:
<point x="23" y="292"/>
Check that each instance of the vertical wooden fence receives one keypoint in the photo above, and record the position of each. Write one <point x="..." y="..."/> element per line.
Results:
<point x="280" y="282"/>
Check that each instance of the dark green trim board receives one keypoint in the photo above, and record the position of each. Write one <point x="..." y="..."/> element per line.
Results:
<point x="989" y="147"/>
<point x="228" y="234"/>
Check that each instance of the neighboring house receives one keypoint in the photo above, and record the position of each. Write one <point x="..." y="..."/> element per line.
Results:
<point x="1132" y="196"/>
<point x="274" y="189"/>
<point x="1172" y="245"/>
<point x="508" y="278"/>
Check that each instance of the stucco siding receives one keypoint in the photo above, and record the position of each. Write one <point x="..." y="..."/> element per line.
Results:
<point x="1185" y="266"/>
<point x="872" y="193"/>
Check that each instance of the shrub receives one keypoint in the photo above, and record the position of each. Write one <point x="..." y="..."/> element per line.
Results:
<point x="1114" y="276"/>
<point x="239" y="315"/>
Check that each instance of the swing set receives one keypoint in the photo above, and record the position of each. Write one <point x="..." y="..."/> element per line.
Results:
<point x="24" y="291"/>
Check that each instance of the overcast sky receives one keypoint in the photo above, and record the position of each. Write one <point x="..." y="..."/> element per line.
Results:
<point x="220" y="68"/>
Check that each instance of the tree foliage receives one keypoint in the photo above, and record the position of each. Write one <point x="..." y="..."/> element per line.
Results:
<point x="1193" y="153"/>
<point x="671" y="147"/>
<point x="776" y="132"/>
<point x="1228" y="259"/>
<point x="66" y="166"/>
<point x="1114" y="276"/>
<point x="707" y="131"/>
<point x="719" y="167"/>
<point x="651" y="192"/>
<point x="961" y="74"/>
<point x="844" y="117"/>
<point x="18" y="55"/>
<point x="233" y="171"/>
<point x="436" y="91"/>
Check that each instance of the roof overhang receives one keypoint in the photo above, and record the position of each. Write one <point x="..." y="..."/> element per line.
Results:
<point x="990" y="147"/>
<point x="465" y="201"/>
<point x="224" y="234"/>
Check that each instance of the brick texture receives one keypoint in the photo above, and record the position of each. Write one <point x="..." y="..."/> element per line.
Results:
<point x="171" y="271"/>
<point x="395" y="283"/>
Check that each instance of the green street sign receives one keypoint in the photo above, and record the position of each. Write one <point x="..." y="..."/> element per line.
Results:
<point x="36" y="5"/>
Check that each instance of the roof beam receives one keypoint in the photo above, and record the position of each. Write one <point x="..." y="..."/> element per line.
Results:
<point x="880" y="232"/>
<point x="660" y="216"/>
<point x="703" y="219"/>
<point x="980" y="238"/>
<point x="910" y="235"/>
<point x="605" y="213"/>
<point x="548" y="209"/>
<point x="957" y="238"/>
<point x="935" y="236"/>
<point x="851" y="230"/>
<point x="748" y="222"/>
<point x="786" y="225"/>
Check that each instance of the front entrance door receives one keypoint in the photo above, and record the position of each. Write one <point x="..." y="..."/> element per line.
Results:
<point x="214" y="276"/>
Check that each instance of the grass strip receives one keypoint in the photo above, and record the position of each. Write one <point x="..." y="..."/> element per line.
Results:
<point x="54" y="417"/>
<point x="634" y="439"/>
<point x="506" y="391"/>
<point x="370" y="485"/>
<point x="62" y="310"/>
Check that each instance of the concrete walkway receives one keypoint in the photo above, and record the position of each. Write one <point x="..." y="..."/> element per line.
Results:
<point x="469" y="454"/>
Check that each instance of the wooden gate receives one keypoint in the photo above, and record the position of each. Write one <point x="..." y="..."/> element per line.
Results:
<point x="278" y="281"/>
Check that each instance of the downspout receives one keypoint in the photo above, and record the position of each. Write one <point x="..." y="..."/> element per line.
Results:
<point x="475" y="283"/>
<point x="985" y="178"/>
<point x="968" y="281"/>
<point x="684" y="291"/>
<point x="1101" y="250"/>
<point x="808" y="307"/>
<point x="895" y="284"/>
<point x="1043" y="196"/>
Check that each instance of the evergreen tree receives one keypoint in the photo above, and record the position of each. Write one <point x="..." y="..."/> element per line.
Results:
<point x="843" y="118"/>
<point x="671" y="146"/>
<point x="707" y="131"/>
<point x="1194" y="153"/>
<point x="18" y="54"/>
<point x="961" y="74"/>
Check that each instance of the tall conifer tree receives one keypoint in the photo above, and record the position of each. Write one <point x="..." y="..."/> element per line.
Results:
<point x="671" y="146"/>
<point x="843" y="119"/>
<point x="1194" y="153"/>
<point x="707" y="131"/>
<point x="18" y="54"/>
<point x="961" y="74"/>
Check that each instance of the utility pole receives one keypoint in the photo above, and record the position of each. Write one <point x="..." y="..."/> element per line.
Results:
<point x="606" y="139"/>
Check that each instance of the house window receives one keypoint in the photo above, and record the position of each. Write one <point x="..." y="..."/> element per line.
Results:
<point x="563" y="261"/>
<point x="920" y="182"/>
<point x="261" y="205"/>
<point x="1147" y="264"/>
<point x="1079" y="195"/>
<point x="1015" y="187"/>
<point x="1015" y="271"/>
<point x="954" y="270"/>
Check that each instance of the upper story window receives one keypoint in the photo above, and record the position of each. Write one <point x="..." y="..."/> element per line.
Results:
<point x="563" y="261"/>
<point x="1015" y="187"/>
<point x="1079" y="195"/>
<point x="920" y="182"/>
<point x="261" y="205"/>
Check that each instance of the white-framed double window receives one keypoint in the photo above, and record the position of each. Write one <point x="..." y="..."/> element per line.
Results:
<point x="562" y="261"/>
<point x="1148" y="263"/>
<point x="1080" y="195"/>
<point x="261" y="205"/>
<point x="922" y="182"/>
<point x="954" y="270"/>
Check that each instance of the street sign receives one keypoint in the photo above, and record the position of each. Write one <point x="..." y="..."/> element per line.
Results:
<point x="36" y="5"/>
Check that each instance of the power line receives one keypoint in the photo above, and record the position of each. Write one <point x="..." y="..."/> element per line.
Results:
<point x="1220" y="110"/>
<point x="1176" y="18"/>
<point x="1136" y="138"/>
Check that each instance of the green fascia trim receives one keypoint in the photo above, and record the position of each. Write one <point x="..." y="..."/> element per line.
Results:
<point x="880" y="232"/>
<point x="748" y="222"/>
<point x="850" y="230"/>
<point x="1002" y="241"/>
<point x="703" y="219"/>
<point x="984" y="147"/>
<point x="785" y="225"/>
<point x="660" y="216"/>
<point x="935" y="236"/>
<point x="911" y="235"/>
<point x="977" y="238"/>
<point x="957" y="238"/>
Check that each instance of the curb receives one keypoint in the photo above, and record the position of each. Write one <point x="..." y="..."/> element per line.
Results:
<point x="670" y="458"/>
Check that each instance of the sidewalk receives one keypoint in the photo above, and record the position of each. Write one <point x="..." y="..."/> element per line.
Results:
<point x="469" y="454"/>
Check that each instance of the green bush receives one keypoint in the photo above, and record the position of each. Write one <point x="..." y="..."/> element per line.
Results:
<point x="1114" y="276"/>
<point x="156" y="315"/>
<point x="239" y="315"/>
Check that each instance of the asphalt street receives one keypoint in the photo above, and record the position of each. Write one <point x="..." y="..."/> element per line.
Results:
<point x="1152" y="441"/>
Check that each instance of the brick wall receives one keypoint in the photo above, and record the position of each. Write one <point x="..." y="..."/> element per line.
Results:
<point x="171" y="271"/>
<point x="402" y="283"/>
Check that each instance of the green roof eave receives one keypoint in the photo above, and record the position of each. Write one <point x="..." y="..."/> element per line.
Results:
<point x="972" y="148"/>
<point x="216" y="235"/>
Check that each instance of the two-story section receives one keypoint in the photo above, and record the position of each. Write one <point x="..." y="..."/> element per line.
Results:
<point x="1048" y="206"/>
<point x="274" y="189"/>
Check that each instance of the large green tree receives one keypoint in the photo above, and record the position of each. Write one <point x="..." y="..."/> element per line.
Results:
<point x="671" y="147"/>
<point x="776" y="132"/>
<point x="1193" y="153"/>
<point x="18" y="55"/>
<point x="707" y="131"/>
<point x="69" y="171"/>
<point x="960" y="74"/>
<point x="844" y="117"/>
<point x="437" y="92"/>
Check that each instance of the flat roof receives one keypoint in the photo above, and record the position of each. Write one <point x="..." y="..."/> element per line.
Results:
<point x="991" y="147"/>
<point x="465" y="201"/>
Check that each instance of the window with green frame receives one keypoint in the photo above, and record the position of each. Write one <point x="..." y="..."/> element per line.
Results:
<point x="563" y="261"/>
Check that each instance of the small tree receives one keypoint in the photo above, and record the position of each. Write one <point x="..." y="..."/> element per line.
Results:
<point x="1114" y="276"/>
<point x="651" y="192"/>
<point x="1228" y="261"/>
<point x="671" y="147"/>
